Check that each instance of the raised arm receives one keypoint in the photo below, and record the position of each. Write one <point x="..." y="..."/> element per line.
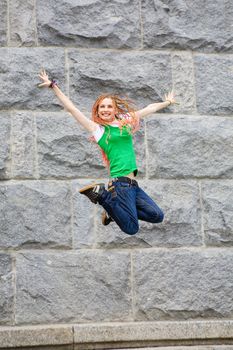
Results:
<point x="88" y="124"/>
<point x="155" y="107"/>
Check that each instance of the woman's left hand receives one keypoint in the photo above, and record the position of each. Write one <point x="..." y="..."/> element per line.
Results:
<point x="170" y="97"/>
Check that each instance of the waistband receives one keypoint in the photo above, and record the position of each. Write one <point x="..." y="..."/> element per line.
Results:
<point x="124" y="179"/>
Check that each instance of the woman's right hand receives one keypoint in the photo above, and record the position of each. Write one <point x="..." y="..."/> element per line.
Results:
<point x="45" y="79"/>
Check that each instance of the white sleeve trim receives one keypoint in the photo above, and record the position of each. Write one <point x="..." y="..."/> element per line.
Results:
<point x="98" y="133"/>
<point x="125" y="116"/>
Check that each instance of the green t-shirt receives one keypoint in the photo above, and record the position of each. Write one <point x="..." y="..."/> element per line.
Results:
<point x="117" y="144"/>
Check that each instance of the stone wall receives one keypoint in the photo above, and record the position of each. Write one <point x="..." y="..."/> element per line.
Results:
<point x="58" y="264"/>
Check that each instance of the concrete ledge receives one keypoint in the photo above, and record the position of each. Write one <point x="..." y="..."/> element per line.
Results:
<point x="136" y="334"/>
<point x="209" y="347"/>
<point x="120" y="335"/>
<point x="11" y="337"/>
<point x="147" y="331"/>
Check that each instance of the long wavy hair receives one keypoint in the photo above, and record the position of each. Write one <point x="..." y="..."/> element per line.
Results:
<point x="124" y="108"/>
<point x="125" y="115"/>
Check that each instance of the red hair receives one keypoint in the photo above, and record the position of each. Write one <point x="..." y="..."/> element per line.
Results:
<point x="124" y="110"/>
<point x="125" y="115"/>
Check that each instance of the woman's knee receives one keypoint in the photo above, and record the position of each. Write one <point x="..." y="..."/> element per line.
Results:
<point x="131" y="229"/>
<point x="158" y="217"/>
<point x="161" y="217"/>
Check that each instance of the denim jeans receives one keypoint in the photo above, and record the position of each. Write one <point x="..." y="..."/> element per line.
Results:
<point x="127" y="203"/>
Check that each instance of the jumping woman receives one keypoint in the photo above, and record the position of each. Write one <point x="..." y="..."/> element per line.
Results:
<point x="113" y="123"/>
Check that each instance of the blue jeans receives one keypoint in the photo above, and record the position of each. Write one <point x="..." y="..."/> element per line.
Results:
<point x="127" y="203"/>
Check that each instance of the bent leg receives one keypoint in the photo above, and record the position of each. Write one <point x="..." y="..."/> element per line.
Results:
<point x="147" y="209"/>
<point x="121" y="206"/>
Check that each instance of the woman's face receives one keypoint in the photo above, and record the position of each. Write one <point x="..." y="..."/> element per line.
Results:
<point x="107" y="110"/>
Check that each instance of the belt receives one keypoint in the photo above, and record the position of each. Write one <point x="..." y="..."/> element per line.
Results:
<point x="125" y="179"/>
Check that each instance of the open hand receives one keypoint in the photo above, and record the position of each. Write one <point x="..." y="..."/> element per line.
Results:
<point x="45" y="79"/>
<point x="170" y="96"/>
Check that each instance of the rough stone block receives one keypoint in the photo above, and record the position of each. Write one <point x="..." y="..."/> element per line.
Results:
<point x="183" y="146"/>
<point x="140" y="150"/>
<point x="27" y="96"/>
<point x="214" y="84"/>
<point x="83" y="217"/>
<point x="183" y="284"/>
<point x="73" y="287"/>
<point x="3" y="22"/>
<point x="143" y="78"/>
<point x="218" y="208"/>
<point x="35" y="214"/>
<point x="22" y="23"/>
<point x="180" y="203"/>
<point x="23" y="145"/>
<point x="92" y="23"/>
<point x="65" y="149"/>
<point x="6" y="290"/>
<point x="183" y="82"/>
<point x="5" y="157"/>
<point x="181" y="25"/>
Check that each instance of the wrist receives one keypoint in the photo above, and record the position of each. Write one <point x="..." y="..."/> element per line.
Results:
<point x="52" y="84"/>
<point x="169" y="102"/>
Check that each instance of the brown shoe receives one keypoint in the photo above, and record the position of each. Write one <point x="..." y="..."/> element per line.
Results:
<point x="105" y="218"/>
<point x="93" y="192"/>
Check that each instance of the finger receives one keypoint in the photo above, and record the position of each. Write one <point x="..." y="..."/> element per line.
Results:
<point x="41" y="85"/>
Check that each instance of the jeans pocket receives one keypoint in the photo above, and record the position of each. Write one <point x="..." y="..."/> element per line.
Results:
<point x="113" y="194"/>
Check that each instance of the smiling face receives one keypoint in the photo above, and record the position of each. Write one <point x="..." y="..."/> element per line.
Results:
<point x="107" y="110"/>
